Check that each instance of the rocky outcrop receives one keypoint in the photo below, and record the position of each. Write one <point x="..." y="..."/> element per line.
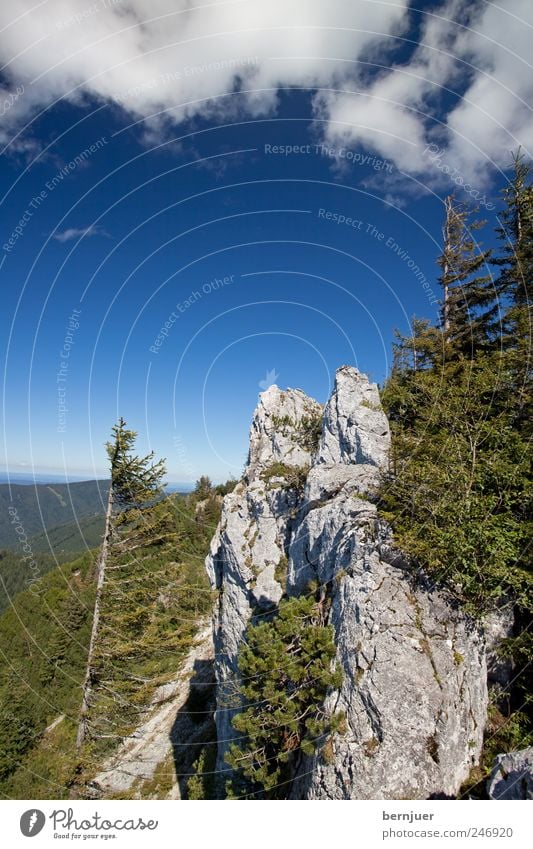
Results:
<point x="355" y="429"/>
<point x="414" y="693"/>
<point x="247" y="563"/>
<point x="512" y="776"/>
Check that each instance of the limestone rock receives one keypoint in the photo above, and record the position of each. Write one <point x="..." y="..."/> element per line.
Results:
<point x="355" y="428"/>
<point x="414" y="692"/>
<point x="512" y="776"/>
<point x="274" y="434"/>
<point x="249" y="548"/>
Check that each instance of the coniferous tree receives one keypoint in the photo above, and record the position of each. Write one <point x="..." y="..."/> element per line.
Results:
<point x="515" y="283"/>
<point x="464" y="519"/>
<point x="516" y="234"/>
<point x="135" y="482"/>
<point x="458" y="493"/>
<point x="203" y="486"/>
<point x="467" y="301"/>
<point x="287" y="669"/>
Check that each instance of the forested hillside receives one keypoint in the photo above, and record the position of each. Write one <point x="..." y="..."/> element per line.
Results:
<point x="156" y="595"/>
<point x="42" y="507"/>
<point x="20" y="567"/>
<point x="67" y="540"/>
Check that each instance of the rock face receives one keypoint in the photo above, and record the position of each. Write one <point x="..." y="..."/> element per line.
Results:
<point x="247" y="563"/>
<point x="414" y="691"/>
<point x="512" y="776"/>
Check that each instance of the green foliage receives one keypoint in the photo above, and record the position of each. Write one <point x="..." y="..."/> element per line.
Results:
<point x="155" y="595"/>
<point x="68" y="541"/>
<point x="16" y="574"/>
<point x="459" y="488"/>
<point x="287" y="668"/>
<point x="306" y="430"/>
<point x="468" y="299"/>
<point x="503" y="733"/>
<point x="200" y="785"/>
<point x="459" y="400"/>
<point x="293" y="477"/>
<point x="225" y="488"/>
<point x="280" y="571"/>
<point x="515" y="262"/>
<point x="203" y="486"/>
<point x="135" y="480"/>
<point x="44" y="639"/>
<point x="310" y="429"/>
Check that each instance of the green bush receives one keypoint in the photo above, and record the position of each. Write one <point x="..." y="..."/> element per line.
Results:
<point x="294" y="477"/>
<point x="287" y="667"/>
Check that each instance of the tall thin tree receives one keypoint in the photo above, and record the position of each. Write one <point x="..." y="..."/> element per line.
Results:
<point x="466" y="296"/>
<point x="135" y="481"/>
<point x="515" y="281"/>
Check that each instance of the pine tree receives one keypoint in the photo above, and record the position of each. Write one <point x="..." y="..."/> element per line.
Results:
<point x="286" y="666"/>
<point x="135" y="482"/>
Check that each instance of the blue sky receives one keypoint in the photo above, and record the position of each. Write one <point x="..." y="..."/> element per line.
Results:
<point x="190" y="265"/>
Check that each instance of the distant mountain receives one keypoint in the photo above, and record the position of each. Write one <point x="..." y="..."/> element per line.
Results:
<point x="27" y="510"/>
<point x="41" y="477"/>
<point x="48" y="550"/>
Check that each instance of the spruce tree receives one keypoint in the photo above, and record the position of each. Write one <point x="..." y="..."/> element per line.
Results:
<point x="457" y="494"/>
<point x="467" y="300"/>
<point x="135" y="482"/>
<point x="515" y="281"/>
<point x="515" y="285"/>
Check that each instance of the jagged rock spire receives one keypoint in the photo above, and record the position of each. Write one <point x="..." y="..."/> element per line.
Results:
<point x="414" y="690"/>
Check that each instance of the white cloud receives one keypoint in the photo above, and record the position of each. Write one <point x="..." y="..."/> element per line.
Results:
<point x="75" y="232"/>
<point x="170" y="59"/>
<point x="151" y="55"/>
<point x="481" y="49"/>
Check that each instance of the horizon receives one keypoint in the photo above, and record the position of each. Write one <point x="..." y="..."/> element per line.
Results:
<point x="42" y="478"/>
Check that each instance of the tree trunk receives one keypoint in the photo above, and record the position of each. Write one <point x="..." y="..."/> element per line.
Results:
<point x="446" y="269"/>
<point x="102" y="559"/>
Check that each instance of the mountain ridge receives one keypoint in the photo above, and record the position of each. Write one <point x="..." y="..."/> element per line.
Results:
<point x="41" y="507"/>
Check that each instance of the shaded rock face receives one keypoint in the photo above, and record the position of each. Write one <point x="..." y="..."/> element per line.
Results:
<point x="512" y="776"/>
<point x="498" y="626"/>
<point x="414" y="691"/>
